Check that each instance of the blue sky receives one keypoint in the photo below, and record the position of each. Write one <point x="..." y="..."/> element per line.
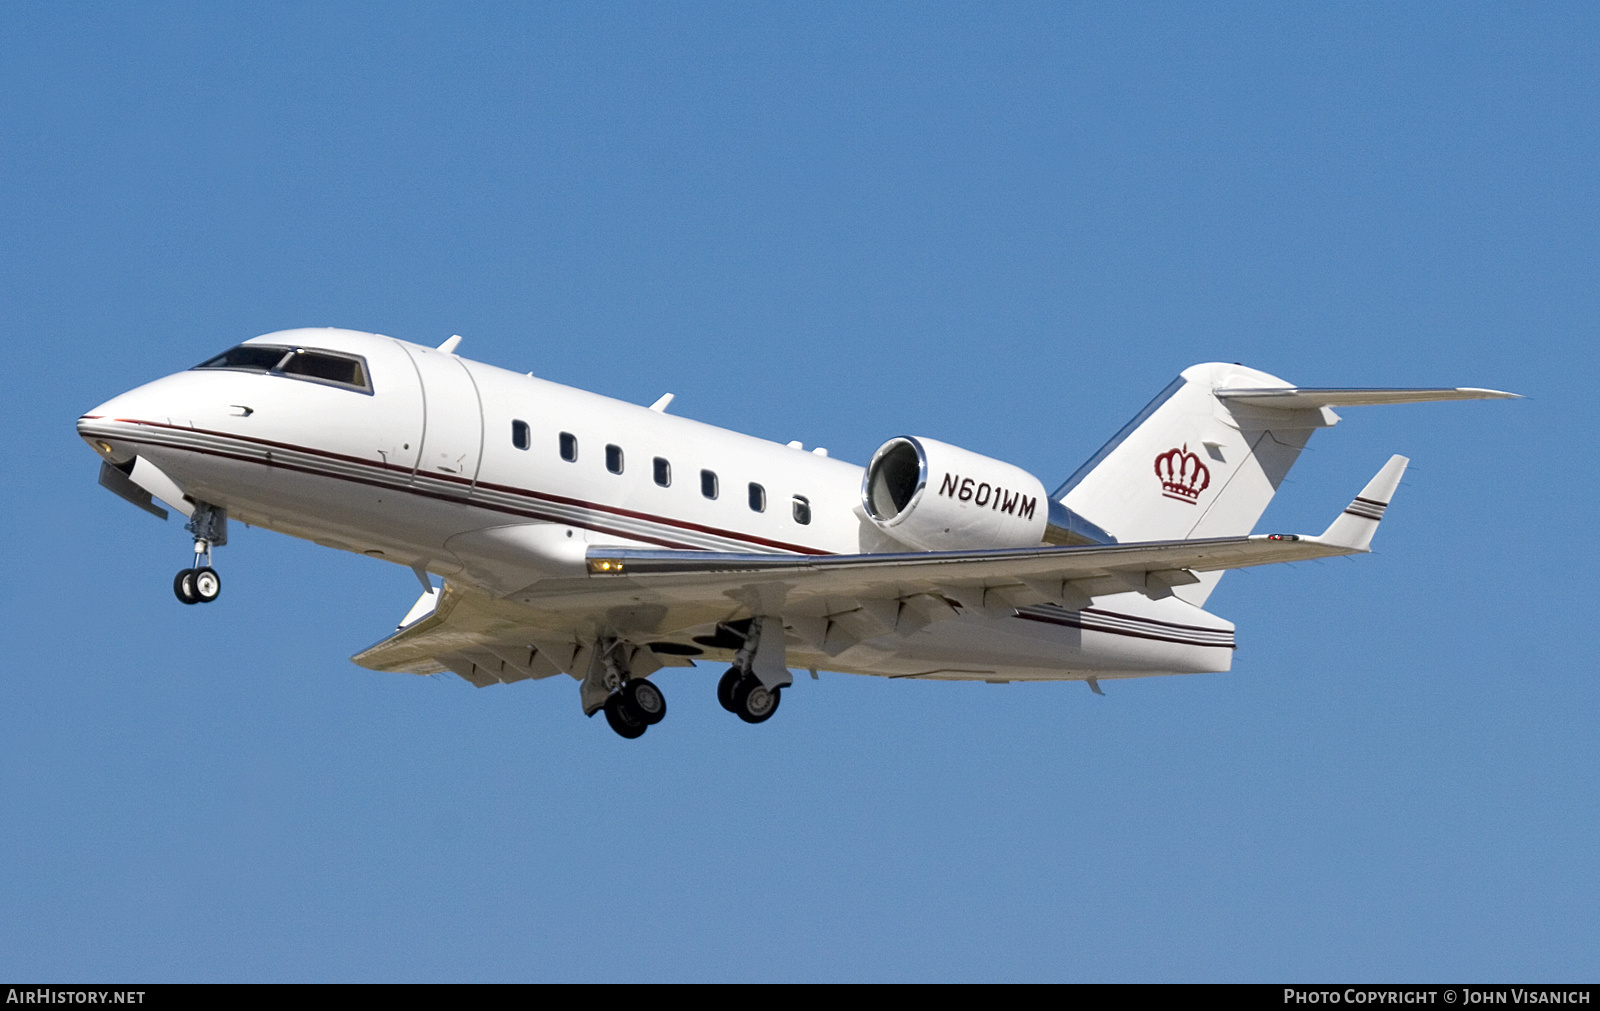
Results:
<point x="1001" y="226"/>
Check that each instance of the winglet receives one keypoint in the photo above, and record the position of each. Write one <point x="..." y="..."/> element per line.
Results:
<point x="1355" y="526"/>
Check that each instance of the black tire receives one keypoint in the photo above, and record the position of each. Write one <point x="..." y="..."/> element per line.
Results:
<point x="624" y="719"/>
<point x="183" y="587"/>
<point x="726" y="687"/>
<point x="207" y="584"/>
<point x="646" y="700"/>
<point x="753" y="702"/>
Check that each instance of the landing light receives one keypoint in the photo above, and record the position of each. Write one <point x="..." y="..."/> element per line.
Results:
<point x="600" y="565"/>
<point x="104" y="447"/>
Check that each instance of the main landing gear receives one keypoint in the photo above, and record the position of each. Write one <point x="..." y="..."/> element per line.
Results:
<point x="751" y="689"/>
<point x="635" y="707"/>
<point x="631" y="704"/>
<point x="201" y="584"/>
<point x="747" y="694"/>
<point x="742" y="694"/>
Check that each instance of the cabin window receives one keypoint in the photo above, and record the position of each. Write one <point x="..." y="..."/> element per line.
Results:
<point x="708" y="483"/>
<point x="663" y="471"/>
<point x="519" y="435"/>
<point x="614" y="459"/>
<point x="569" y="447"/>
<point x="802" y="509"/>
<point x="758" y="498"/>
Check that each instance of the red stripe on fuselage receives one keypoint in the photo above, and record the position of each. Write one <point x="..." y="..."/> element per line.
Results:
<point x="470" y="484"/>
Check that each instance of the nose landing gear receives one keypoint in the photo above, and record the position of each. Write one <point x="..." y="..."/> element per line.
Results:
<point x="201" y="584"/>
<point x="197" y="586"/>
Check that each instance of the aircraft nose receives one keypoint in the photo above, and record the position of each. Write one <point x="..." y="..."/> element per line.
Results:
<point x="111" y="428"/>
<point x="110" y="409"/>
<point x="134" y="405"/>
<point x="164" y="400"/>
<point x="100" y="428"/>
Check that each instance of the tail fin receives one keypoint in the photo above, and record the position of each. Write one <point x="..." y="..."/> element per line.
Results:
<point x="1192" y="464"/>
<point x="1207" y="455"/>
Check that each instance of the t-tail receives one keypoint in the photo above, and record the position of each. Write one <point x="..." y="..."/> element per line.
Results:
<point x="1205" y="457"/>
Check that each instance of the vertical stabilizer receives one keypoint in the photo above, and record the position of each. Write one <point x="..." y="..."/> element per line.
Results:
<point x="1192" y="464"/>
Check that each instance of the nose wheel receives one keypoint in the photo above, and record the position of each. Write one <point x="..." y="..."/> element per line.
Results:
<point x="197" y="586"/>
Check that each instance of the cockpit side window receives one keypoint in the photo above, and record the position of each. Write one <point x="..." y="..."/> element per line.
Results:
<point x="248" y="357"/>
<point x="330" y="367"/>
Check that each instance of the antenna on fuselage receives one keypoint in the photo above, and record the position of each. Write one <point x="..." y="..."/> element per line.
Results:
<point x="449" y="346"/>
<point x="660" y="406"/>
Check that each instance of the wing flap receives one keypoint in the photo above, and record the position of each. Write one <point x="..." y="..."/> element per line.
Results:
<point x="484" y="641"/>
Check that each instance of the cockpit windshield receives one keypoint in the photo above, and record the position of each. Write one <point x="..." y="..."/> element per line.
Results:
<point x="329" y="367"/>
<point x="249" y="357"/>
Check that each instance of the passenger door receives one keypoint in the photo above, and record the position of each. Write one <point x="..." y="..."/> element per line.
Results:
<point x="452" y="424"/>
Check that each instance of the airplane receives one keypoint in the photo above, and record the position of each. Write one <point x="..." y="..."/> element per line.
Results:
<point x="581" y="535"/>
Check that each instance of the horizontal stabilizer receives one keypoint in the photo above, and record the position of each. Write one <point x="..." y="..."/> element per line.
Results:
<point x="1291" y="398"/>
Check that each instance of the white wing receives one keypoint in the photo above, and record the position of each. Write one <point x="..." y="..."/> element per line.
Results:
<point x="640" y="595"/>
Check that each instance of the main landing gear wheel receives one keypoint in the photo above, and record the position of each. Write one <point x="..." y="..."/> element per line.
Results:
<point x="646" y="700"/>
<point x="726" y="687"/>
<point x="754" y="702"/>
<point x="624" y="718"/>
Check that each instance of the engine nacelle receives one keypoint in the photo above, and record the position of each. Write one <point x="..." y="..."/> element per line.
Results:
<point x="938" y="497"/>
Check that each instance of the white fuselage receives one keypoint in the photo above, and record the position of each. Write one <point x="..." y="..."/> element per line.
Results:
<point x="427" y="470"/>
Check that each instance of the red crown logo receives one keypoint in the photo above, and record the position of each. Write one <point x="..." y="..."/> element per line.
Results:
<point x="1183" y="476"/>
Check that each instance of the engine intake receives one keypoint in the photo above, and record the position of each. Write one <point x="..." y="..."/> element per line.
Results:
<point x="935" y="496"/>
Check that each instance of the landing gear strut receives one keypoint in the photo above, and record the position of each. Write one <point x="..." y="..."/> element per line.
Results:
<point x="201" y="584"/>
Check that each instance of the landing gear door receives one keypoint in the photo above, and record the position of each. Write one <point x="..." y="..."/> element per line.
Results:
<point x="452" y="425"/>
